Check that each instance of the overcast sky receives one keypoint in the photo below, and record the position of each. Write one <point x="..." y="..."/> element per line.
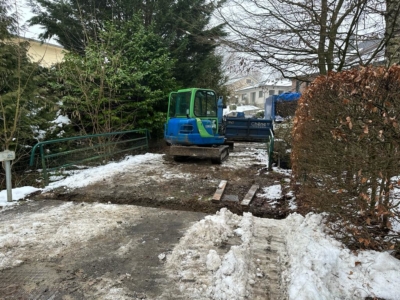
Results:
<point x="25" y="13"/>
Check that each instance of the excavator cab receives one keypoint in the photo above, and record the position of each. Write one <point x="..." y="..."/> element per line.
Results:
<point x="193" y="120"/>
<point x="179" y="105"/>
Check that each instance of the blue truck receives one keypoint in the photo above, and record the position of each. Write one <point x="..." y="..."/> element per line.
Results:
<point x="240" y="128"/>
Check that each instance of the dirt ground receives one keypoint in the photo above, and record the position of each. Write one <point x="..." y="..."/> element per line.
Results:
<point x="193" y="190"/>
<point x="121" y="259"/>
<point x="158" y="203"/>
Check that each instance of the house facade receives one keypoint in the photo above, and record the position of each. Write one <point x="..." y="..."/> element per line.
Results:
<point x="248" y="91"/>
<point x="238" y="83"/>
<point x="45" y="54"/>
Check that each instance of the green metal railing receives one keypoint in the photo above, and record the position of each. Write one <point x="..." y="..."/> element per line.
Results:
<point x="72" y="151"/>
<point x="270" y="149"/>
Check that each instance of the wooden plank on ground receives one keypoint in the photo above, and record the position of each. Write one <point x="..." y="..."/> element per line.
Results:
<point x="249" y="196"/>
<point x="220" y="190"/>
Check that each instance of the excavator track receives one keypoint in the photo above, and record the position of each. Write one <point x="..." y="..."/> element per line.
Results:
<point x="223" y="155"/>
<point x="216" y="154"/>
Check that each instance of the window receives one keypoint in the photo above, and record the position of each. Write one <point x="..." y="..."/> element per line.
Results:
<point x="248" y="80"/>
<point x="205" y="104"/>
<point x="271" y="92"/>
<point x="179" y="104"/>
<point x="260" y="94"/>
<point x="280" y="92"/>
<point x="253" y="98"/>
<point x="243" y="97"/>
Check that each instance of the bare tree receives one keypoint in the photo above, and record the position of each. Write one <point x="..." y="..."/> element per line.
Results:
<point x="307" y="36"/>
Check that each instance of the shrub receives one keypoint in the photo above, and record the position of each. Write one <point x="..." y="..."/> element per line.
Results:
<point x="345" y="155"/>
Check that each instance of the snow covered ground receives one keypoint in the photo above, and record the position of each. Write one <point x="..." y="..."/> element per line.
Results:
<point x="313" y="265"/>
<point x="317" y="266"/>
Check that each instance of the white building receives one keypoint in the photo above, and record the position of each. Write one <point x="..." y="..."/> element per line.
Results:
<point x="45" y="54"/>
<point x="248" y="91"/>
<point x="256" y="94"/>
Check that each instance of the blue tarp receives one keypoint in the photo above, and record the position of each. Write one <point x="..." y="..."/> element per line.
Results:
<point x="288" y="97"/>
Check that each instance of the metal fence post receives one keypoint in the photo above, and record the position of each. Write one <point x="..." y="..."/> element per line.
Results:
<point x="45" y="175"/>
<point x="271" y="150"/>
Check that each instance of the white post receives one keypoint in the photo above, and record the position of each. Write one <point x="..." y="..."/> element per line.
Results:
<point x="8" y="180"/>
<point x="7" y="156"/>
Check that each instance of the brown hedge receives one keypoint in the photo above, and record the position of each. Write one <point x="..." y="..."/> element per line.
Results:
<point x="345" y="153"/>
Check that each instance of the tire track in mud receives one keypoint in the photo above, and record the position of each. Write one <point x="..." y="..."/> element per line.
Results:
<point x="227" y="256"/>
<point x="269" y="256"/>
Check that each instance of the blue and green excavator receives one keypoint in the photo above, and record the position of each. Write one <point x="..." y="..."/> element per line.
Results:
<point x="196" y="127"/>
<point x="193" y="125"/>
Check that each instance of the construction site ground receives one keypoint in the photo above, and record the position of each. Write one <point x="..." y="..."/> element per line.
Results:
<point x="110" y="239"/>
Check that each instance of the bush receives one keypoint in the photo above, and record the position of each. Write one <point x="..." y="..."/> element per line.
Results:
<point x="345" y="155"/>
<point x="121" y="83"/>
<point x="283" y="144"/>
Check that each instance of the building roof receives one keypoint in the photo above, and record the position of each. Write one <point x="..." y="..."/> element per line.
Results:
<point x="272" y="83"/>
<point x="278" y="82"/>
<point x="239" y="78"/>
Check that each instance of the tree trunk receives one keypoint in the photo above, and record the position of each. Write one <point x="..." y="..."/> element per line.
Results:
<point x="392" y="33"/>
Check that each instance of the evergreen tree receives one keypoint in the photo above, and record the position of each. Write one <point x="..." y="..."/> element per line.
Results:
<point x="8" y="22"/>
<point x="192" y="41"/>
<point x="22" y="105"/>
<point x="119" y="82"/>
<point x="22" y="86"/>
<point x="73" y="23"/>
<point x="183" y="25"/>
